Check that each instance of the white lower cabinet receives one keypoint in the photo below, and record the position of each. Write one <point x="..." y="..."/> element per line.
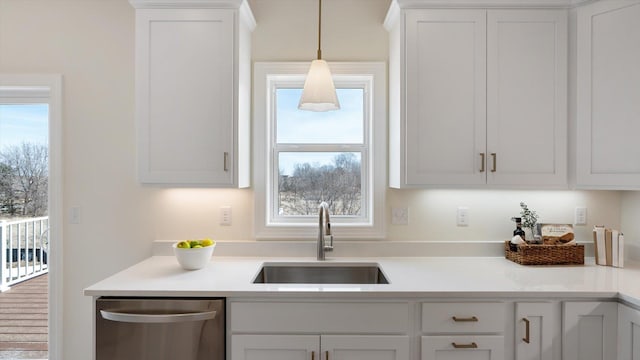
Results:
<point x="443" y="330"/>
<point x="536" y="327"/>
<point x="274" y="347"/>
<point x="312" y="330"/>
<point x="462" y="347"/>
<point x="364" y="347"/>
<point x="628" y="333"/>
<point x="323" y="347"/>
<point x="589" y="330"/>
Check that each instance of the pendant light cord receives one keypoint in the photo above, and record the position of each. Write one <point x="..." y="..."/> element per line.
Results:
<point x="319" y="28"/>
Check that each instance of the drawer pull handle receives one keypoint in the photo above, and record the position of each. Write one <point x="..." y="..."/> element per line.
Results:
<point x="465" y="346"/>
<point x="467" y="319"/>
<point x="526" y="330"/>
<point x="493" y="155"/>
<point x="482" y="162"/>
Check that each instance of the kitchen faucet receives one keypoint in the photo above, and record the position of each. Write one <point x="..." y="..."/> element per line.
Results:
<point x="324" y="230"/>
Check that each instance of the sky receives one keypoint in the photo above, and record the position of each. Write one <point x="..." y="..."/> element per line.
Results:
<point x="24" y="123"/>
<point x="308" y="127"/>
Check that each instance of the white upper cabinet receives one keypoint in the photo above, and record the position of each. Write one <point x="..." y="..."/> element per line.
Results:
<point x="445" y="121"/>
<point x="477" y="97"/>
<point x="608" y="95"/>
<point x="527" y="97"/>
<point x="192" y="93"/>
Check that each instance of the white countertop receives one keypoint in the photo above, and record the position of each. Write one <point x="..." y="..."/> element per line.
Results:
<point x="409" y="277"/>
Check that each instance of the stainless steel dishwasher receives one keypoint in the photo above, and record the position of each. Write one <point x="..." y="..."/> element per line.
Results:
<point x="160" y="329"/>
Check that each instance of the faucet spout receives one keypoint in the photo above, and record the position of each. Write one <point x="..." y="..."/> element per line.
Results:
<point x="324" y="231"/>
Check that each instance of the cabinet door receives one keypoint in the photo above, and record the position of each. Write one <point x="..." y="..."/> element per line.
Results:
<point x="608" y="95"/>
<point x="462" y="347"/>
<point x="628" y="333"/>
<point x="589" y="330"/>
<point x="535" y="331"/>
<point x="445" y="75"/>
<point x="527" y="97"/>
<point x="346" y="347"/>
<point x="275" y="347"/>
<point x="185" y="95"/>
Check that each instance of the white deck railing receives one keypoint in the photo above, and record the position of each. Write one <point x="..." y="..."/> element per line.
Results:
<point x="24" y="250"/>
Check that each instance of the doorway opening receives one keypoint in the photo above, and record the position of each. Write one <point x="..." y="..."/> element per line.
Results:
<point x="30" y="193"/>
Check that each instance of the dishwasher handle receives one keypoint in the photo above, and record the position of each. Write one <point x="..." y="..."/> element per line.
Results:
<point x="145" y="318"/>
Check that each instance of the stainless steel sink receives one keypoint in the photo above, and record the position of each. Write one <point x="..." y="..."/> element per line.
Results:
<point x="314" y="273"/>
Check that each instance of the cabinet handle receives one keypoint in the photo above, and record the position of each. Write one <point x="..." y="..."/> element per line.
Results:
<point x="481" y="162"/>
<point x="526" y="330"/>
<point x="313" y="355"/>
<point x="326" y="357"/>
<point x="226" y="160"/>
<point x="465" y="346"/>
<point x="467" y="319"/>
<point x="493" y="155"/>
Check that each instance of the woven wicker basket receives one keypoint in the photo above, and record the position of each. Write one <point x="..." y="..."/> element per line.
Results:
<point x="546" y="254"/>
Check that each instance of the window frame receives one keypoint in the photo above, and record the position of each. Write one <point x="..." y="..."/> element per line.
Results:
<point x="370" y="223"/>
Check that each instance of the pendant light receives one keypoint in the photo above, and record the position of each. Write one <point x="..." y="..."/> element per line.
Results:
<point x="319" y="93"/>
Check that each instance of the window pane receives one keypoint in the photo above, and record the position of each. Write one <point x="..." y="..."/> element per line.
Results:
<point x="24" y="123"/>
<point x="24" y="160"/>
<point x="308" y="178"/>
<point x="331" y="127"/>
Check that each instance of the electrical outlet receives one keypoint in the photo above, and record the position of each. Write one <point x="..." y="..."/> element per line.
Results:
<point x="225" y="215"/>
<point x="74" y="215"/>
<point x="399" y="216"/>
<point x="580" y="217"/>
<point x="462" y="218"/>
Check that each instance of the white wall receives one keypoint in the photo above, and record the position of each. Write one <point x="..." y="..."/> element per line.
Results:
<point x="288" y="30"/>
<point x="91" y="43"/>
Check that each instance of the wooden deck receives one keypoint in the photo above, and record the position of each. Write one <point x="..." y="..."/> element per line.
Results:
<point x="23" y="320"/>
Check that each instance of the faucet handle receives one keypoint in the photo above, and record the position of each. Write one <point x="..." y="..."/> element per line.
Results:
<point x="330" y="246"/>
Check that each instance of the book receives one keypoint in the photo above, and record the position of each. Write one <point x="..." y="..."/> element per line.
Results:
<point x="621" y="250"/>
<point x="608" y="245"/>
<point x="598" y="237"/>
<point x="615" y="252"/>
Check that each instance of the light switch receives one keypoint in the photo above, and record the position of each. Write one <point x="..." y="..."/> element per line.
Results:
<point x="462" y="218"/>
<point x="225" y="215"/>
<point x="580" y="217"/>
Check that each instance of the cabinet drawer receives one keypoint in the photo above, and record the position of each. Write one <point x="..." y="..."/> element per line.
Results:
<point x="463" y="317"/>
<point x="327" y="317"/>
<point x="462" y="347"/>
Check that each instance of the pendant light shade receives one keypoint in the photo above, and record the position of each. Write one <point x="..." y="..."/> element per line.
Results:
<point x="319" y="92"/>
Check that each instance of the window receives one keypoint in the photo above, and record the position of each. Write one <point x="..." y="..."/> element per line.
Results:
<point x="24" y="159"/>
<point x="302" y="158"/>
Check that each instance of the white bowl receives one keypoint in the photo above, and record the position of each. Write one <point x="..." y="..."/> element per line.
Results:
<point x="193" y="259"/>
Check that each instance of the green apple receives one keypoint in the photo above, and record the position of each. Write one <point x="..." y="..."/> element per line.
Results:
<point x="183" y="245"/>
